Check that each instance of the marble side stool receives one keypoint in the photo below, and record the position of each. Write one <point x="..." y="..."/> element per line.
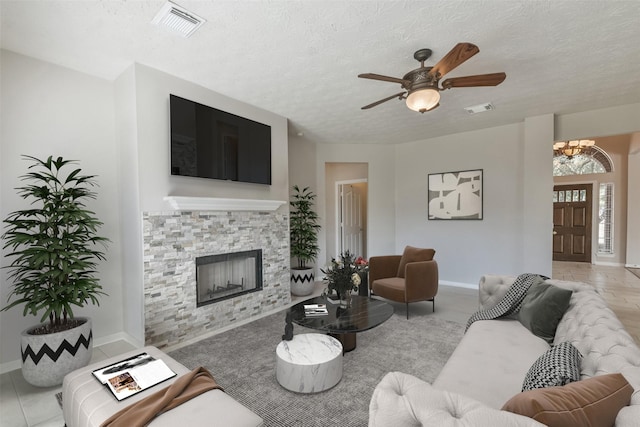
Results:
<point x="309" y="363"/>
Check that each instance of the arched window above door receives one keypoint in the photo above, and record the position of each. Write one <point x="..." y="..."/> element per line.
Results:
<point x="597" y="161"/>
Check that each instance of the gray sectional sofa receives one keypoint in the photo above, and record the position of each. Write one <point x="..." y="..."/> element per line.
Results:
<point x="489" y="365"/>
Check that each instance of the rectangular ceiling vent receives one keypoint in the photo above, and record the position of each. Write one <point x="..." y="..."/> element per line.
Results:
<point x="178" y="19"/>
<point x="479" y="108"/>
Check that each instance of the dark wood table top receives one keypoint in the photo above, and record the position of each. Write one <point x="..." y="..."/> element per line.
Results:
<point x="364" y="313"/>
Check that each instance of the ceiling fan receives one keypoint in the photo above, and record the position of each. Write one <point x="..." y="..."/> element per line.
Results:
<point x="421" y="89"/>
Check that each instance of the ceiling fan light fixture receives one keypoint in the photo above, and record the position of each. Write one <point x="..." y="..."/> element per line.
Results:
<point x="422" y="100"/>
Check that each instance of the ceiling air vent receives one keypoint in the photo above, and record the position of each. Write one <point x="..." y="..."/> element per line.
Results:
<point x="479" y="108"/>
<point x="178" y="19"/>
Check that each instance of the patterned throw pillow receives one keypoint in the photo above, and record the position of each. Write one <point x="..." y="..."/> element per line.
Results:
<point x="558" y="366"/>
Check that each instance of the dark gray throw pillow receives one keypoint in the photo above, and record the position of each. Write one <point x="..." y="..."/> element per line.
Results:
<point x="558" y="366"/>
<point x="543" y="308"/>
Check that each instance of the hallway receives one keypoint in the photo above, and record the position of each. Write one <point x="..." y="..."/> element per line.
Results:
<point x="619" y="287"/>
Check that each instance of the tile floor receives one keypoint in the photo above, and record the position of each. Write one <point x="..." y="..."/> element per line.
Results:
<point x="23" y="405"/>
<point x="618" y="286"/>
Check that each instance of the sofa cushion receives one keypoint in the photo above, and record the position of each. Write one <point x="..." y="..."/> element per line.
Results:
<point x="558" y="366"/>
<point x="404" y="400"/>
<point x="592" y="402"/>
<point x="543" y="308"/>
<point x="490" y="361"/>
<point x="412" y="254"/>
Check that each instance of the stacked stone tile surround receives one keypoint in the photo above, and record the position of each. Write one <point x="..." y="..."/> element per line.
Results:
<point x="173" y="240"/>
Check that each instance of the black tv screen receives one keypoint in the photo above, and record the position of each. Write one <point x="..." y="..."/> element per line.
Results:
<point x="210" y="143"/>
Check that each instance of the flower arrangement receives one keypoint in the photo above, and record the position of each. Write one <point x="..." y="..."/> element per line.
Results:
<point x="343" y="274"/>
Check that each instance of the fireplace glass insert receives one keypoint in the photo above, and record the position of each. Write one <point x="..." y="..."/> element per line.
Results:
<point x="223" y="276"/>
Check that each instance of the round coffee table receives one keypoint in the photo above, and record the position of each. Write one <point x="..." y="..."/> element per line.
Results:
<point x="309" y="363"/>
<point x="343" y="323"/>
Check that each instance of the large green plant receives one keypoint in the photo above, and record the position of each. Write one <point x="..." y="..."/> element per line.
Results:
<point x="53" y="244"/>
<point x="303" y="226"/>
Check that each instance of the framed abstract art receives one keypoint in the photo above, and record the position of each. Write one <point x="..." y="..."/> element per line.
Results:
<point x="455" y="195"/>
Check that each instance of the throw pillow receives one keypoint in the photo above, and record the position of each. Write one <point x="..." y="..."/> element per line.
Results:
<point x="592" y="402"/>
<point x="542" y="308"/>
<point x="559" y="365"/>
<point x="412" y="254"/>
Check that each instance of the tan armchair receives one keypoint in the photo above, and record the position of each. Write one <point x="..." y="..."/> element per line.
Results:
<point x="410" y="277"/>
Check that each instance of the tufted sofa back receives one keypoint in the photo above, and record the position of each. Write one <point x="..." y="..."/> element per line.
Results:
<point x="591" y="326"/>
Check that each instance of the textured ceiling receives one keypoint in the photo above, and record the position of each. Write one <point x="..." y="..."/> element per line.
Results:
<point x="300" y="59"/>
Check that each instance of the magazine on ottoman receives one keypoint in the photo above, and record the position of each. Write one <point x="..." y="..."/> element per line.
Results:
<point x="133" y="375"/>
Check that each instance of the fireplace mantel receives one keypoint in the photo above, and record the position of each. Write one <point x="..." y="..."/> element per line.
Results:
<point x="183" y="203"/>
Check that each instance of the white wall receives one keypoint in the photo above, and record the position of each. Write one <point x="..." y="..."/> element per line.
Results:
<point x="49" y="110"/>
<point x="537" y="185"/>
<point x="515" y="234"/>
<point x="120" y="132"/>
<point x="130" y="217"/>
<point x="633" y="203"/>
<point x="151" y="163"/>
<point x="595" y="123"/>
<point x="152" y="99"/>
<point x="465" y="249"/>
<point x="381" y="194"/>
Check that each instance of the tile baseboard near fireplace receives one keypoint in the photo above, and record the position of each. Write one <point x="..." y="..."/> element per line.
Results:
<point x="171" y="243"/>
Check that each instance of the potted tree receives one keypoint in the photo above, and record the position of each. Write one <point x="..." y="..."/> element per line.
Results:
<point x="54" y="255"/>
<point x="304" y="240"/>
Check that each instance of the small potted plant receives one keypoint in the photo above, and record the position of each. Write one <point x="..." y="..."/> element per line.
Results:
<point x="343" y="276"/>
<point x="304" y="240"/>
<point x="54" y="256"/>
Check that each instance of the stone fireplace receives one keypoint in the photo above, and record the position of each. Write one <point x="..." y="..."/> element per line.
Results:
<point x="174" y="240"/>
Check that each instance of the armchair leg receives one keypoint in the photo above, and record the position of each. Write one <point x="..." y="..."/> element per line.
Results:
<point x="407" y="311"/>
<point x="434" y="304"/>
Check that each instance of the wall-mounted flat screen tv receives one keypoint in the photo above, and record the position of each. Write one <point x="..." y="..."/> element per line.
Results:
<point x="210" y="143"/>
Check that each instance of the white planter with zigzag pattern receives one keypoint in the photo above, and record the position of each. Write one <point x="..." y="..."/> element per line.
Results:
<point x="47" y="358"/>
<point x="302" y="280"/>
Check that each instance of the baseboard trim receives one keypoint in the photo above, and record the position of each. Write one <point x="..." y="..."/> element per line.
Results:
<point x="609" y="264"/>
<point x="10" y="366"/>
<point x="458" y="284"/>
<point x="118" y="336"/>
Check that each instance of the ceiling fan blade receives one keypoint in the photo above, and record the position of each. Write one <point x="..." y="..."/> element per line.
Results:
<point x="397" y="95"/>
<point x="493" y="79"/>
<point x="456" y="56"/>
<point x="384" y="78"/>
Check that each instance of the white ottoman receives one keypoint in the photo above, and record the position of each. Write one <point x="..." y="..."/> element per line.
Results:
<point x="87" y="403"/>
<point x="309" y="363"/>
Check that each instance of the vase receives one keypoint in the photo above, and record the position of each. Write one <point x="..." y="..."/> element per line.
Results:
<point x="345" y="299"/>
<point x="47" y="358"/>
<point x="302" y="281"/>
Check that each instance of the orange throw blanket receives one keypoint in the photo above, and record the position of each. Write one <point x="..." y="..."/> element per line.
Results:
<point x="184" y="388"/>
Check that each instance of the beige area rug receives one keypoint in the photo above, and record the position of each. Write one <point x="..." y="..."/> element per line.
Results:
<point x="243" y="362"/>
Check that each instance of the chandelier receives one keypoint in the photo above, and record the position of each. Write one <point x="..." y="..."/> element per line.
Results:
<point x="573" y="148"/>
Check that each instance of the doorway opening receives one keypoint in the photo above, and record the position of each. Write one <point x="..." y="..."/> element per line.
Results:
<point x="351" y="220"/>
<point x="346" y="201"/>
<point x="572" y="222"/>
<point x="582" y="208"/>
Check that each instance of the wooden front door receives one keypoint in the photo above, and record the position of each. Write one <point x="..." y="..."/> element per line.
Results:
<point x="572" y="222"/>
